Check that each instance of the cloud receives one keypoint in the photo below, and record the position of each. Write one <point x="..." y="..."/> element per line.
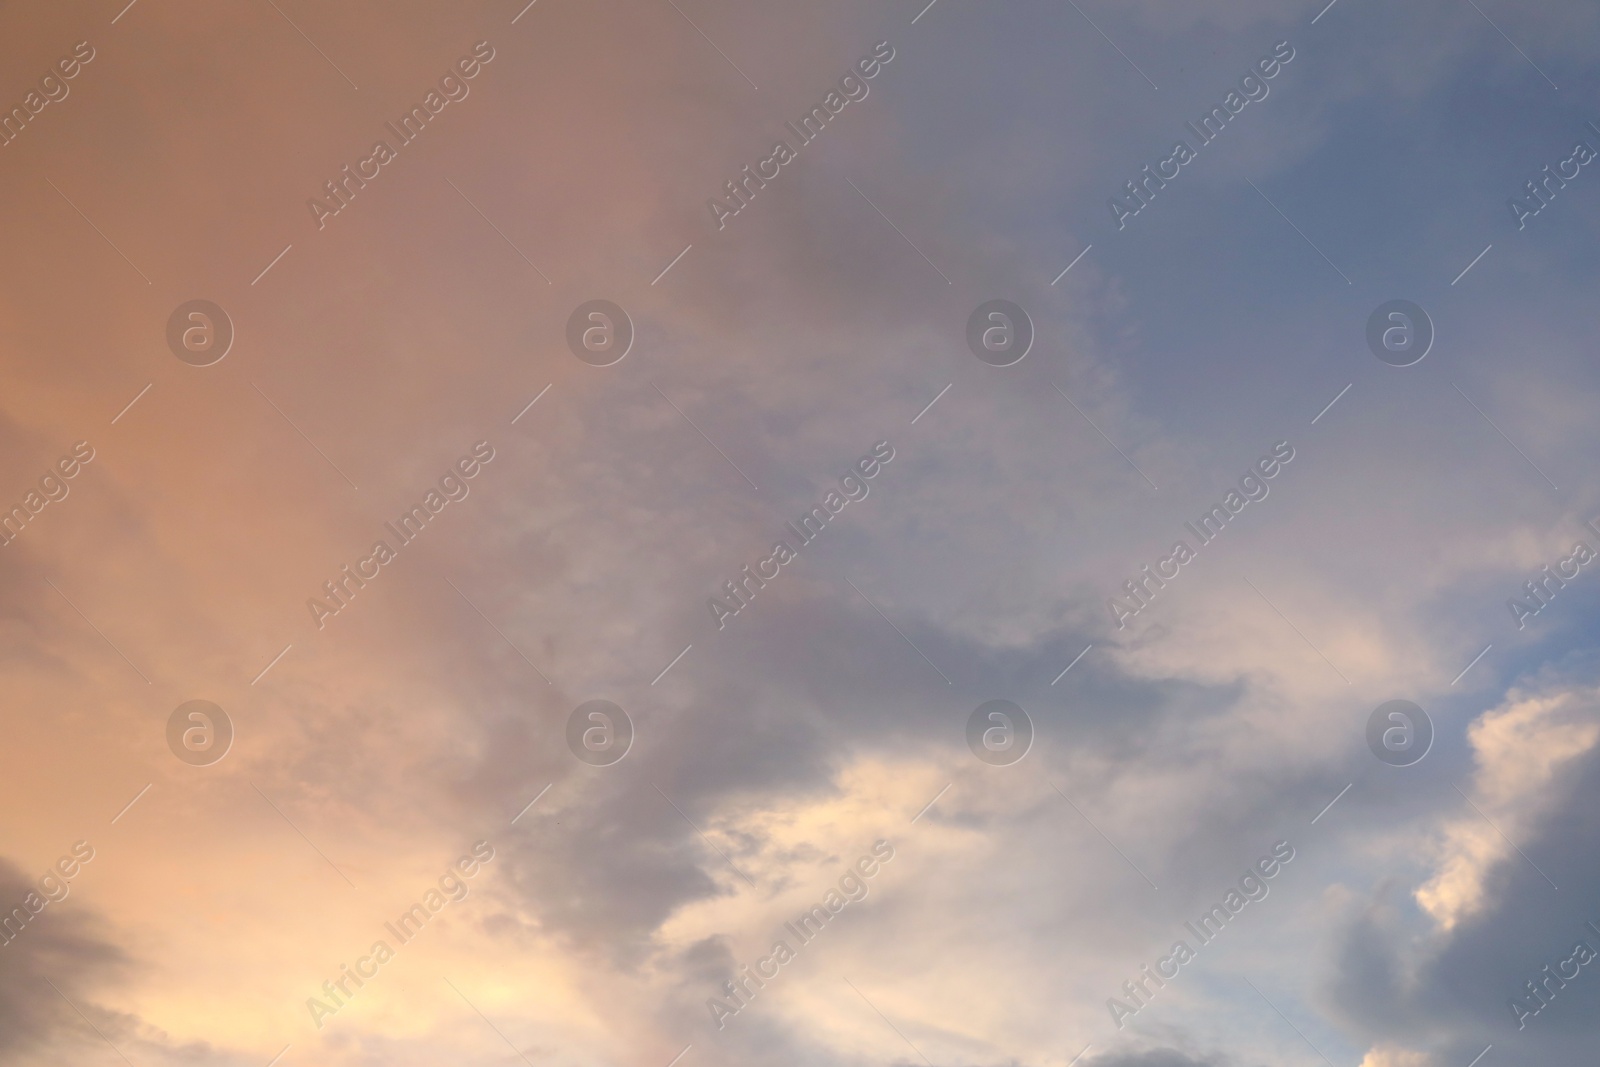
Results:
<point x="1434" y="982"/>
<point x="1524" y="752"/>
<point x="66" y="947"/>
<point x="1161" y="1057"/>
<point x="1395" y="1057"/>
<point x="823" y="716"/>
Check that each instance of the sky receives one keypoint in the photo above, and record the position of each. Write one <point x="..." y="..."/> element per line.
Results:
<point x="578" y="610"/>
